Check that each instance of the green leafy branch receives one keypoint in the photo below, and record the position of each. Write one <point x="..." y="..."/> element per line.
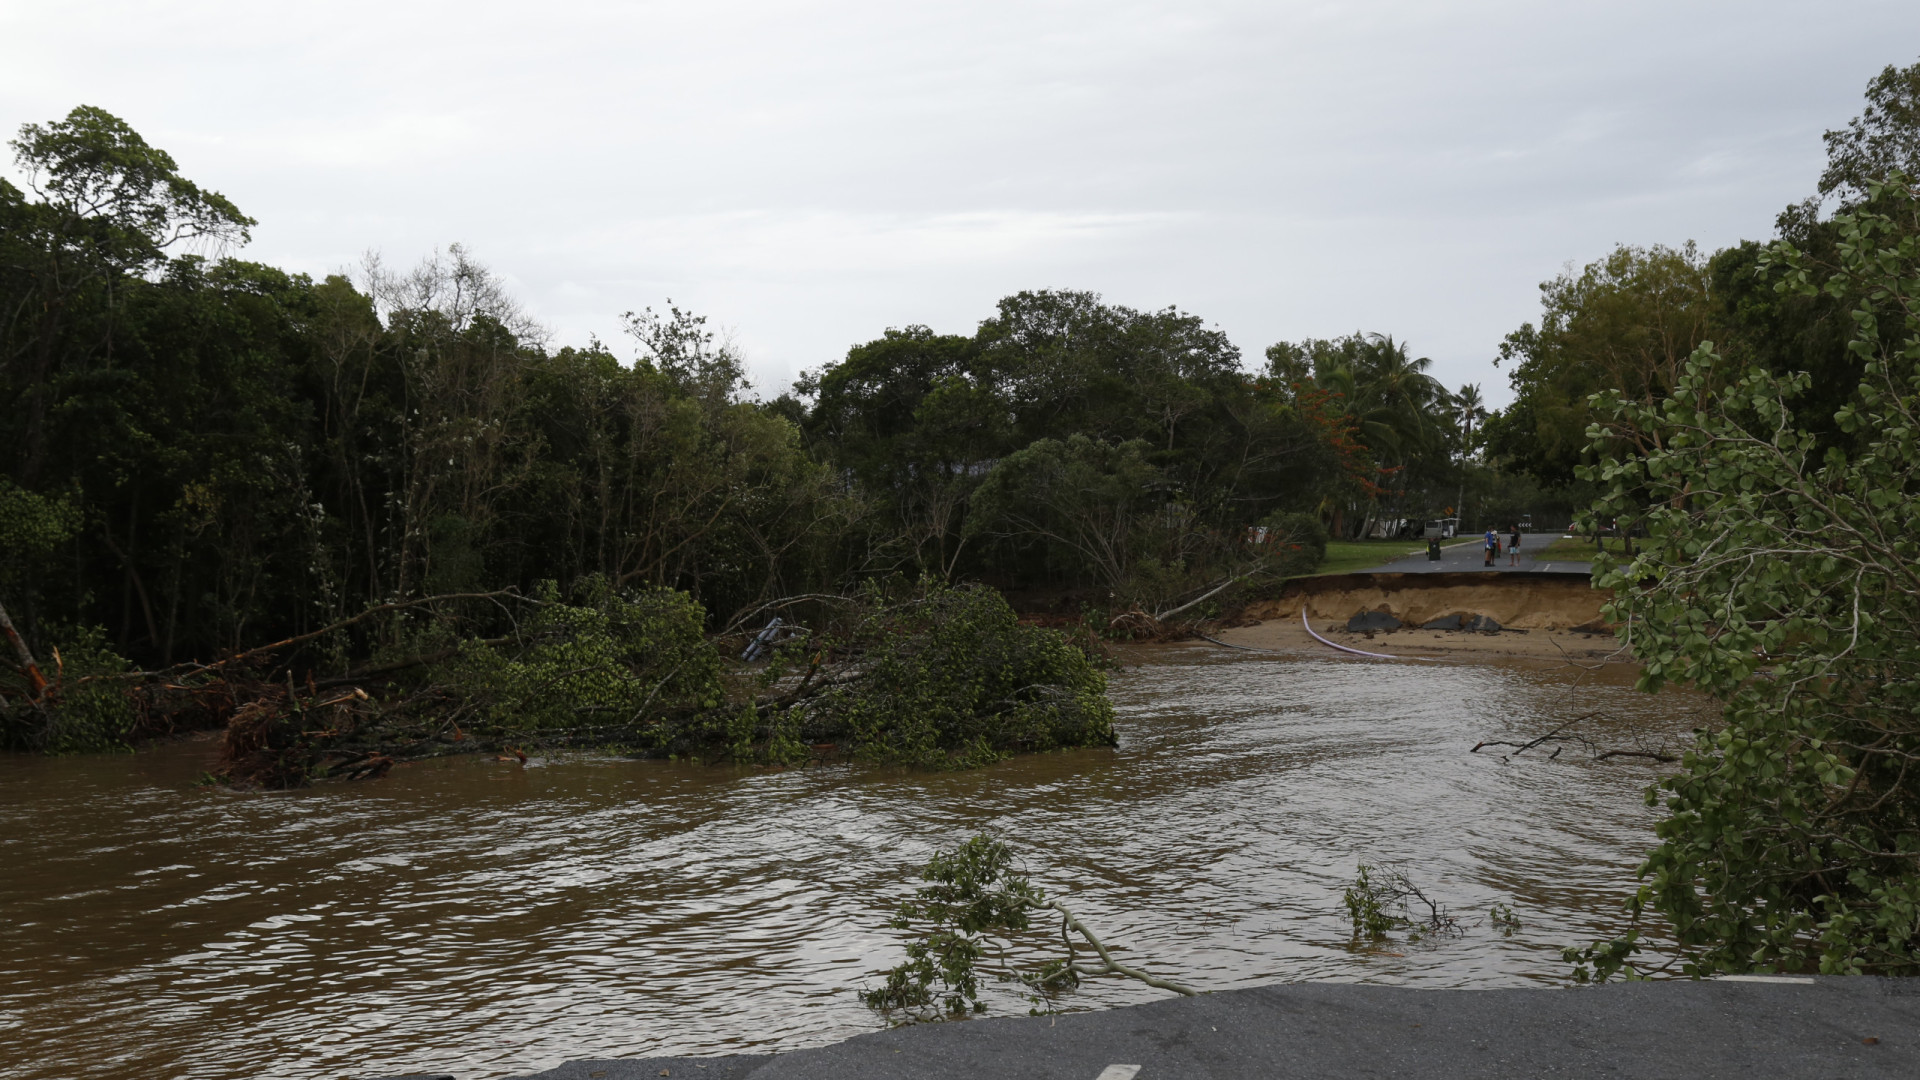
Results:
<point x="1383" y="900"/>
<point x="976" y="905"/>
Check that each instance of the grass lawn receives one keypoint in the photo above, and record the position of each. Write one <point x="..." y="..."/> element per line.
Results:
<point x="1578" y="549"/>
<point x="1346" y="556"/>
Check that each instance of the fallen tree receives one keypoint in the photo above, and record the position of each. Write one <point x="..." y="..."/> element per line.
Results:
<point x="926" y="675"/>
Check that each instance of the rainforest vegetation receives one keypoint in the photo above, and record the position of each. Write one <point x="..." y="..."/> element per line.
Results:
<point x="235" y="495"/>
<point x="382" y="514"/>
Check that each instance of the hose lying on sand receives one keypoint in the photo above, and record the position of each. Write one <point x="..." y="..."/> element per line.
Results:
<point x="1359" y="652"/>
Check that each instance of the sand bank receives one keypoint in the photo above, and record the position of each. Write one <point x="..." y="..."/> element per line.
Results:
<point x="1545" y="616"/>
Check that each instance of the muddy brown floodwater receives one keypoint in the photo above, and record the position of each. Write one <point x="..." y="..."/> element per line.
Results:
<point x="484" y="919"/>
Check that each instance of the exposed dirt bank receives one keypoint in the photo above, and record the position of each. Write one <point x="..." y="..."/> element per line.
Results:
<point x="1544" y="616"/>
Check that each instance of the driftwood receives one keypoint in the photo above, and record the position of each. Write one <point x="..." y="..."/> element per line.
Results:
<point x="1562" y="734"/>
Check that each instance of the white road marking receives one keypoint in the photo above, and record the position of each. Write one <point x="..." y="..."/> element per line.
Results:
<point x="1118" y="1072"/>
<point x="1764" y="979"/>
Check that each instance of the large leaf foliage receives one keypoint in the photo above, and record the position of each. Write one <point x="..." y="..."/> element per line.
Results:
<point x="1784" y="578"/>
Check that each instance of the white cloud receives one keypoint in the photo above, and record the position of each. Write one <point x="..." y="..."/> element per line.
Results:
<point x="810" y="173"/>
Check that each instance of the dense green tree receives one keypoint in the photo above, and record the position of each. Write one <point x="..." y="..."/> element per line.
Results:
<point x="1779" y="577"/>
<point x="917" y="419"/>
<point x="1884" y="138"/>
<point x="923" y="420"/>
<point x="1067" y="362"/>
<point x="1088" y="503"/>
<point x="106" y="209"/>
<point x="1626" y="322"/>
<point x="1787" y="331"/>
<point x="241" y="454"/>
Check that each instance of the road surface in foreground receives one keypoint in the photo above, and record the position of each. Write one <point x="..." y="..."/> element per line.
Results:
<point x="1800" y="1027"/>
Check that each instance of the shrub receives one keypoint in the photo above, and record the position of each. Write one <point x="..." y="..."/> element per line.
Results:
<point x="83" y="710"/>
<point x="950" y="678"/>
<point x="610" y="657"/>
<point x="1299" y="540"/>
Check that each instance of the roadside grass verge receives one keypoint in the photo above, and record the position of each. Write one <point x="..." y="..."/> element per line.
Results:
<point x="1346" y="556"/>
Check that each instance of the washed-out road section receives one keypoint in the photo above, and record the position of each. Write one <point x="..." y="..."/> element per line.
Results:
<point x="1859" y="1027"/>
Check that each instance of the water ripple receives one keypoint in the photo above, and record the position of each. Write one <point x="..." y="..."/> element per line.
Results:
<point x="476" y="917"/>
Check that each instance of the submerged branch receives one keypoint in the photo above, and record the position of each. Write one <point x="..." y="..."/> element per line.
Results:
<point x="976" y="904"/>
<point x="1110" y="966"/>
<point x="1561" y="734"/>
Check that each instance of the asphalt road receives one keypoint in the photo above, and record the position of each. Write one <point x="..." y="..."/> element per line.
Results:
<point x="1468" y="554"/>
<point x="1824" y="1027"/>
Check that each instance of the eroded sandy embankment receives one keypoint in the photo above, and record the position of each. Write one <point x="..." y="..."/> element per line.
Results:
<point x="1559" y="614"/>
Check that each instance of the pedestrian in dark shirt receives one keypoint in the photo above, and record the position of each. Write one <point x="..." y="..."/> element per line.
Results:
<point x="1513" y="546"/>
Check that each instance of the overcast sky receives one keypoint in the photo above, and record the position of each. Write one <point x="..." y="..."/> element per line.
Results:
<point x="809" y="174"/>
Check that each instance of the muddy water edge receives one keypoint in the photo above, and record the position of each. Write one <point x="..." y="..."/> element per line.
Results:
<point x="487" y="919"/>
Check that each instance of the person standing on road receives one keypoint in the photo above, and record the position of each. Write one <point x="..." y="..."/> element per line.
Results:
<point x="1513" y="546"/>
<point x="1493" y="545"/>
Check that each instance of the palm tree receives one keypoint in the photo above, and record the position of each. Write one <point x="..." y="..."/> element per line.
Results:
<point x="1398" y="406"/>
<point x="1401" y="410"/>
<point x="1472" y="408"/>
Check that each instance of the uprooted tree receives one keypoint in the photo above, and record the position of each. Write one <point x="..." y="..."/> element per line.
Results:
<point x="929" y="675"/>
<point x="1782" y="576"/>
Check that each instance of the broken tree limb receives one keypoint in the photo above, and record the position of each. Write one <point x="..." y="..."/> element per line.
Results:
<point x="1242" y="576"/>
<point x="785" y="601"/>
<point x="179" y="671"/>
<point x="1653" y="755"/>
<point x="36" y="682"/>
<point x="1110" y="966"/>
<point x="1521" y="748"/>
<point x="1560" y="734"/>
<point x="378" y="609"/>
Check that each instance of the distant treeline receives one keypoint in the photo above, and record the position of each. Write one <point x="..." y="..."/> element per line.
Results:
<point x="205" y="453"/>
